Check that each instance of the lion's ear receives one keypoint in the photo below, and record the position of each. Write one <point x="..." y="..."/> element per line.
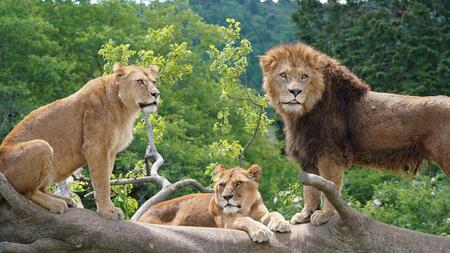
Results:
<point x="219" y="170"/>
<point x="255" y="172"/>
<point x="119" y="69"/>
<point x="154" y="69"/>
<point x="267" y="64"/>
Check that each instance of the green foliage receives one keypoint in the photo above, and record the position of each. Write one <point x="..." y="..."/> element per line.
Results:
<point x="360" y="184"/>
<point x="264" y="24"/>
<point x="396" y="46"/>
<point x="230" y="64"/>
<point x="420" y="204"/>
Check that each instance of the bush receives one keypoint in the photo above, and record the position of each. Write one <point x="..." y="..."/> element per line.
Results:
<point x="420" y="204"/>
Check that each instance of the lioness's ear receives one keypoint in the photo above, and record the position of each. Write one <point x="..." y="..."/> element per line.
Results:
<point x="119" y="69"/>
<point x="254" y="172"/>
<point x="219" y="170"/>
<point x="266" y="63"/>
<point x="154" y="69"/>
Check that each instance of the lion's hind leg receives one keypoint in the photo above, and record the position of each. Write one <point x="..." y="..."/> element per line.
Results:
<point x="28" y="167"/>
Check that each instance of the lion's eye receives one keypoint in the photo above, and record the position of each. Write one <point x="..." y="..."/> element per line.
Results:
<point x="304" y="77"/>
<point x="140" y="81"/>
<point x="283" y="75"/>
<point x="238" y="183"/>
<point x="222" y="186"/>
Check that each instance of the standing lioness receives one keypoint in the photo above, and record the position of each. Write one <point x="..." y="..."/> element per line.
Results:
<point x="90" y="126"/>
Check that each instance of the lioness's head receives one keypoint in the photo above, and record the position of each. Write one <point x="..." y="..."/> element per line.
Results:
<point x="236" y="188"/>
<point x="138" y="86"/>
<point x="292" y="78"/>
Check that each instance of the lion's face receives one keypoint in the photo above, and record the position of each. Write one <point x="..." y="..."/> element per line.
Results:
<point x="293" y="84"/>
<point x="236" y="188"/>
<point x="138" y="87"/>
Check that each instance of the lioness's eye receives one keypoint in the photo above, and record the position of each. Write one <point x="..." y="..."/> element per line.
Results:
<point x="222" y="186"/>
<point x="283" y="75"/>
<point x="304" y="77"/>
<point x="140" y="81"/>
<point x="238" y="183"/>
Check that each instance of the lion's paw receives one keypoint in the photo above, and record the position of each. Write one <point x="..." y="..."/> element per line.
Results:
<point x="112" y="214"/>
<point x="320" y="217"/>
<point x="302" y="217"/>
<point x="279" y="225"/>
<point x="57" y="206"/>
<point x="260" y="234"/>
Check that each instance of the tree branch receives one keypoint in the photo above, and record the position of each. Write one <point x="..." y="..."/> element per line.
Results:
<point x="255" y="132"/>
<point x="330" y="191"/>
<point x="27" y="227"/>
<point x="167" y="188"/>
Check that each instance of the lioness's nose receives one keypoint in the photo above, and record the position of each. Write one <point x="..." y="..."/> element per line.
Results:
<point x="295" y="91"/>
<point x="155" y="94"/>
<point x="227" y="197"/>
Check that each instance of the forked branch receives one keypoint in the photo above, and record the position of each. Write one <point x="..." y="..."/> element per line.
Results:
<point x="330" y="191"/>
<point x="167" y="187"/>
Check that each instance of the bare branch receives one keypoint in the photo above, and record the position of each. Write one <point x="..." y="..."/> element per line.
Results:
<point x="167" y="187"/>
<point x="330" y="191"/>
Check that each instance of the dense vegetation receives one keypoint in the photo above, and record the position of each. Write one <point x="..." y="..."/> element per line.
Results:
<point x="49" y="49"/>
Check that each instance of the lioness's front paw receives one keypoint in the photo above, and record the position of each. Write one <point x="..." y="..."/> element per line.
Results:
<point x="260" y="233"/>
<point x="111" y="214"/>
<point x="279" y="225"/>
<point x="301" y="217"/>
<point x="57" y="206"/>
<point x="319" y="217"/>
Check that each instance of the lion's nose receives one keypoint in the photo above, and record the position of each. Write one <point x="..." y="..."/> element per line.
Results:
<point x="227" y="197"/>
<point x="155" y="94"/>
<point x="295" y="92"/>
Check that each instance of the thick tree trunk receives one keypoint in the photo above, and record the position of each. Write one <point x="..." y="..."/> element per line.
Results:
<point x="26" y="227"/>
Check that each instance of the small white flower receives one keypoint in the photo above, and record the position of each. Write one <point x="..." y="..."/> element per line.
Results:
<point x="433" y="180"/>
<point x="275" y="200"/>
<point x="297" y="199"/>
<point x="377" y="202"/>
<point x="433" y="193"/>
<point x="448" y="220"/>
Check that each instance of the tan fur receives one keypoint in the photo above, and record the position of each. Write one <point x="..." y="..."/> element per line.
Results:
<point x="248" y="212"/>
<point x="333" y="121"/>
<point x="90" y="126"/>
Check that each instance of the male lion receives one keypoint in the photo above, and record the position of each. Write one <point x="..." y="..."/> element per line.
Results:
<point x="333" y="121"/>
<point x="235" y="203"/>
<point x="90" y="126"/>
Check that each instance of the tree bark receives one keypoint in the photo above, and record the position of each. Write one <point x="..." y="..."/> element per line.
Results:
<point x="26" y="227"/>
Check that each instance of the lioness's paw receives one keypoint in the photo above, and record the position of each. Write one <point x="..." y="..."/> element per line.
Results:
<point x="112" y="214"/>
<point x="260" y="234"/>
<point x="302" y="217"/>
<point x="57" y="206"/>
<point x="69" y="201"/>
<point x="279" y="225"/>
<point x="320" y="217"/>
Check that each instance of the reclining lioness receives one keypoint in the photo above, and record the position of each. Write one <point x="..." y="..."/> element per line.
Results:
<point x="235" y="203"/>
<point x="90" y="126"/>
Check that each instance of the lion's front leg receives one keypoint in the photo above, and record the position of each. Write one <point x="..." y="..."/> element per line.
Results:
<point x="329" y="169"/>
<point x="100" y="166"/>
<point x="276" y="222"/>
<point x="311" y="198"/>
<point x="256" y="230"/>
